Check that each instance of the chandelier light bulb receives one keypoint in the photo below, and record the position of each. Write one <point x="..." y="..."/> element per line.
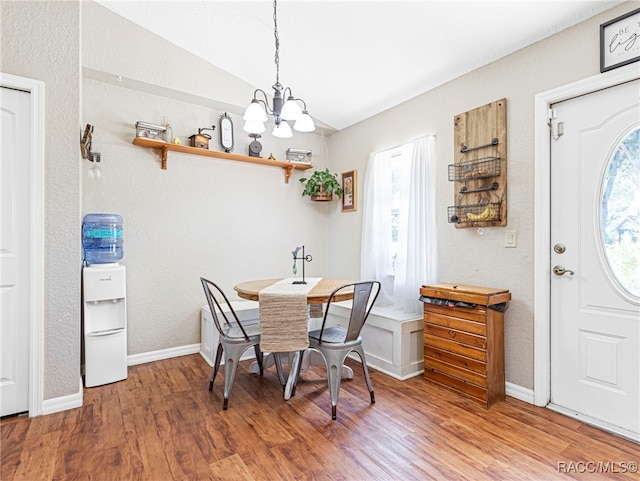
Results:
<point x="254" y="127"/>
<point x="255" y="112"/>
<point x="291" y="110"/>
<point x="304" y="123"/>
<point x="282" y="131"/>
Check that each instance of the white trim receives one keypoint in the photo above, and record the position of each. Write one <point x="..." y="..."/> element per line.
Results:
<point x="62" y="403"/>
<point x="596" y="422"/>
<point x="36" y="230"/>
<point x="151" y="356"/>
<point x="519" y="392"/>
<point x="542" y="225"/>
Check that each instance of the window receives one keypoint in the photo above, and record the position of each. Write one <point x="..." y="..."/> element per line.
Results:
<point x="620" y="213"/>
<point x="398" y="231"/>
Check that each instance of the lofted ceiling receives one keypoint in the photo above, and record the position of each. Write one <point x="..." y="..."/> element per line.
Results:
<point x="350" y="60"/>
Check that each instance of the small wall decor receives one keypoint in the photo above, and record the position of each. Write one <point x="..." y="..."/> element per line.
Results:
<point x="225" y="132"/>
<point x="349" y="186"/>
<point x="619" y="41"/>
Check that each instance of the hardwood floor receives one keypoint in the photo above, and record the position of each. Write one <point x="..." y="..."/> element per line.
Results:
<point x="163" y="424"/>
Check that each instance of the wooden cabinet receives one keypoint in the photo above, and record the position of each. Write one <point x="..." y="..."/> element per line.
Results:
<point x="464" y="339"/>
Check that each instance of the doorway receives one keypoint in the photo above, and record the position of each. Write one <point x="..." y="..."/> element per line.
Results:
<point x="28" y="318"/>
<point x="587" y="326"/>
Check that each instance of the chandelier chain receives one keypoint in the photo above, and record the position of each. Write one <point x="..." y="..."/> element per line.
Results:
<point x="277" y="38"/>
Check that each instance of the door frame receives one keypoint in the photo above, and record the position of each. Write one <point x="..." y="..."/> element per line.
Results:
<point x="36" y="235"/>
<point x="542" y="224"/>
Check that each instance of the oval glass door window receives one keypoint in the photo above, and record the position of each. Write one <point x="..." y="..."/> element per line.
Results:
<point x="620" y="214"/>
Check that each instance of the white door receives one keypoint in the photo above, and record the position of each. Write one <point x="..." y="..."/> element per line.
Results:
<point x="15" y="123"/>
<point x="595" y="258"/>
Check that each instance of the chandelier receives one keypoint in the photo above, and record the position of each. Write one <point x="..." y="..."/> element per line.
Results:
<point x="256" y="114"/>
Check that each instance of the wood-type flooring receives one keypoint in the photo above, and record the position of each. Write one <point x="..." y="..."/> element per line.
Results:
<point x="162" y="423"/>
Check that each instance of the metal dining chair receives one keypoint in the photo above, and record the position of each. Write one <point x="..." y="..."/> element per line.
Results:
<point x="335" y="343"/>
<point x="235" y="338"/>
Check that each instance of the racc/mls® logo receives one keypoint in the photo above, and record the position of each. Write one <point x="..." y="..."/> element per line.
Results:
<point x="105" y="279"/>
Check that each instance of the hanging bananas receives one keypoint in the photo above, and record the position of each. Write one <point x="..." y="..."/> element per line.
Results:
<point x="487" y="214"/>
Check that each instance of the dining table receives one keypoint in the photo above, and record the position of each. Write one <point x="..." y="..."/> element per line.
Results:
<point x="316" y="296"/>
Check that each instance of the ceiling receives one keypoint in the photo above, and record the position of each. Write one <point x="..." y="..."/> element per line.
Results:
<point x="350" y="60"/>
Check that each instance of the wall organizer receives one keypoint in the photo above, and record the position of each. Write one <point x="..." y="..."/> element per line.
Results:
<point x="480" y="174"/>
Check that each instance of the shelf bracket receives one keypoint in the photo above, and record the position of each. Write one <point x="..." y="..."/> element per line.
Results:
<point x="288" y="170"/>
<point x="164" y="157"/>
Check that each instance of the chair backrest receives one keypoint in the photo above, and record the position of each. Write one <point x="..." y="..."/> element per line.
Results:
<point x="220" y="319"/>
<point x="364" y="296"/>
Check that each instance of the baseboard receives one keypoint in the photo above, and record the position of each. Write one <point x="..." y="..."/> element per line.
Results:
<point x="151" y="356"/>
<point x="519" y="392"/>
<point x="63" y="403"/>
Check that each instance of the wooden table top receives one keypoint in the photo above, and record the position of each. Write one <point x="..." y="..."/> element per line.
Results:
<point x="318" y="295"/>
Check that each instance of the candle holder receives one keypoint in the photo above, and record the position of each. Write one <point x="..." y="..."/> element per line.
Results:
<point x="304" y="258"/>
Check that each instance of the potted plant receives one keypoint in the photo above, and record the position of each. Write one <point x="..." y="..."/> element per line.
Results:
<point x="321" y="185"/>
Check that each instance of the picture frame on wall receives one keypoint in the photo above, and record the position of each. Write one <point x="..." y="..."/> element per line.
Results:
<point x="349" y="191"/>
<point x="620" y="41"/>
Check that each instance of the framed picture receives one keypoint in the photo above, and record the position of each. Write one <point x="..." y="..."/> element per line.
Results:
<point x="349" y="193"/>
<point x="620" y="41"/>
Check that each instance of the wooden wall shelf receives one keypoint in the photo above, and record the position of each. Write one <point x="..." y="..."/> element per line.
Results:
<point x="165" y="148"/>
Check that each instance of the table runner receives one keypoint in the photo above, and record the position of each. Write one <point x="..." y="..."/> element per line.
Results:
<point x="283" y="315"/>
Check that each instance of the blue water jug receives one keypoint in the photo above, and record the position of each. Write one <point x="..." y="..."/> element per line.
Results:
<point x="102" y="238"/>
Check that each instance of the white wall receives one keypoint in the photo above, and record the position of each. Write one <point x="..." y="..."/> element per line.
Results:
<point x="465" y="256"/>
<point x="40" y="40"/>
<point x="228" y="221"/>
<point x="166" y="249"/>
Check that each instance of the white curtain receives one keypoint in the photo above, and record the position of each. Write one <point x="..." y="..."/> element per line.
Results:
<point x="416" y="259"/>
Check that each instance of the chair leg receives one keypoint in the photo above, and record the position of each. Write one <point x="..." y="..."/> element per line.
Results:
<point x="216" y="366"/>
<point x="334" y="361"/>
<point x="230" y="367"/>
<point x="278" y="362"/>
<point x="259" y="358"/>
<point x="298" y="367"/>
<point x="360" y="352"/>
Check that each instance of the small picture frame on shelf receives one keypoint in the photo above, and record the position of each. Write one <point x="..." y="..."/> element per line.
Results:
<point x="619" y="43"/>
<point x="349" y="191"/>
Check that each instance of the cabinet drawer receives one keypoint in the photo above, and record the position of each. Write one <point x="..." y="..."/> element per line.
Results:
<point x="455" y="371"/>
<point x="455" y="359"/>
<point x="456" y="323"/>
<point x="459" y="337"/>
<point x="452" y="346"/>
<point x="457" y="385"/>
<point x="478" y="313"/>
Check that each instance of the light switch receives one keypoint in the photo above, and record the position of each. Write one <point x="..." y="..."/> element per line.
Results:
<point x="510" y="238"/>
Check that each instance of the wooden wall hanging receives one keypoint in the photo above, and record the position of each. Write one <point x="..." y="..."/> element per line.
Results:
<point x="480" y="173"/>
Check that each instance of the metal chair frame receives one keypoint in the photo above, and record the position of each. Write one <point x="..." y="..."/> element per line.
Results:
<point x="335" y="343"/>
<point x="235" y="338"/>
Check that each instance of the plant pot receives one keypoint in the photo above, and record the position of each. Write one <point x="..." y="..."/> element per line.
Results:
<point x="322" y="197"/>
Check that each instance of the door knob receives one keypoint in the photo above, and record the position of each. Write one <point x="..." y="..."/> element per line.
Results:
<point x="561" y="271"/>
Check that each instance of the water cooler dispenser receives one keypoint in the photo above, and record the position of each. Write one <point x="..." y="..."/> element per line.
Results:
<point x="104" y="306"/>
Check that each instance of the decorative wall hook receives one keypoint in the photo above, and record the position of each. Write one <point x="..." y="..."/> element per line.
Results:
<point x="85" y="145"/>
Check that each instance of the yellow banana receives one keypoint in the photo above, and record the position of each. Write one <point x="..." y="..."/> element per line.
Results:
<point x="487" y="214"/>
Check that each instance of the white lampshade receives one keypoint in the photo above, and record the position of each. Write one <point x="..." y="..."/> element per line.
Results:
<point x="254" y="127"/>
<point x="291" y="110"/>
<point x="305" y="123"/>
<point x="255" y="112"/>
<point x="282" y="131"/>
